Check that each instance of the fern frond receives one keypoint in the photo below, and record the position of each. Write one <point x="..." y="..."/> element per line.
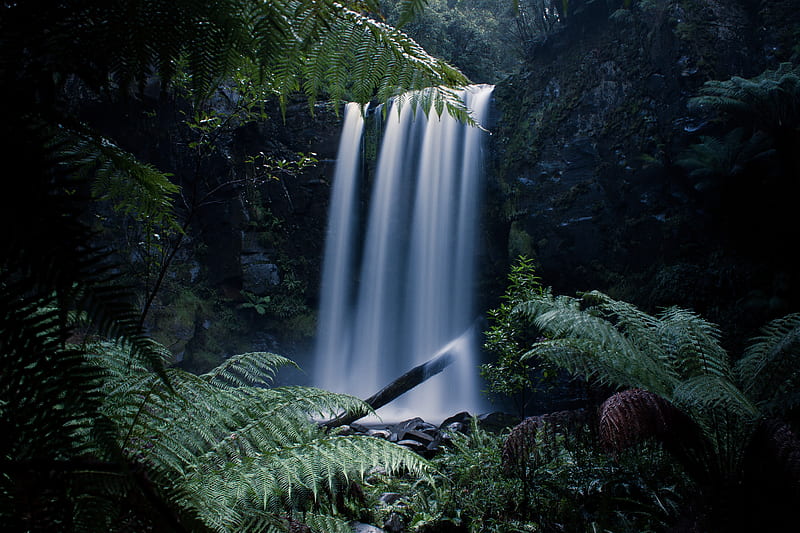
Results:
<point x="654" y="364"/>
<point x="322" y="523"/>
<point x="387" y="61"/>
<point x="134" y="188"/>
<point x="635" y="324"/>
<point x="578" y="357"/>
<point x="285" y="477"/>
<point x="693" y="344"/>
<point x="47" y="389"/>
<point x="768" y="371"/>
<point x="260" y="522"/>
<point x="767" y="102"/>
<point x="710" y="395"/>
<point x="596" y="346"/>
<point x="248" y="369"/>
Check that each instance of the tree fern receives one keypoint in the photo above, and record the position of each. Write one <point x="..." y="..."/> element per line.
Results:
<point x="718" y="158"/>
<point x="768" y="369"/>
<point x="615" y="342"/>
<point x="592" y="344"/>
<point x="228" y="450"/>
<point x="714" y="416"/>
<point x="766" y="102"/>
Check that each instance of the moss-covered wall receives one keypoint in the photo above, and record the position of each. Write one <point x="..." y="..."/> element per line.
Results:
<point x="246" y="274"/>
<point x="584" y="159"/>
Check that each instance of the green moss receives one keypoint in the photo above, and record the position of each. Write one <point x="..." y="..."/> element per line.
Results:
<point x="174" y="319"/>
<point x="187" y="306"/>
<point x="520" y="243"/>
<point x="302" y="326"/>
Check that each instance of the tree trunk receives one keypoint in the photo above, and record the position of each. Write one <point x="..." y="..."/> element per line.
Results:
<point x="406" y="382"/>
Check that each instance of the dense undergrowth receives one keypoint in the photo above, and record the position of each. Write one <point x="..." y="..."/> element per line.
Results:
<point x="692" y="439"/>
<point x="568" y="484"/>
<point x="101" y="432"/>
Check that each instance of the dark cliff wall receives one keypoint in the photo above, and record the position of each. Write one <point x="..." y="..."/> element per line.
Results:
<point x="246" y="274"/>
<point x="584" y="167"/>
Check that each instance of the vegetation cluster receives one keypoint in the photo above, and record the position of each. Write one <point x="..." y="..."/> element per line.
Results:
<point x="688" y="439"/>
<point x="104" y="431"/>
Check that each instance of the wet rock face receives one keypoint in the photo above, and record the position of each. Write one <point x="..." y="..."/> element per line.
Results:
<point x="259" y="271"/>
<point x="249" y="230"/>
<point x="585" y="147"/>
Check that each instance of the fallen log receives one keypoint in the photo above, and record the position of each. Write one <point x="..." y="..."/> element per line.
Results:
<point x="441" y="360"/>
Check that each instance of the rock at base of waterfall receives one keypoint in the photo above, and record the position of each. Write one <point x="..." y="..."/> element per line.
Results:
<point x="360" y="527"/>
<point x="460" y="422"/>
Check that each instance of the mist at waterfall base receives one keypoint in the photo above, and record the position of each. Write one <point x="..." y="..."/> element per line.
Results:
<point x="398" y="287"/>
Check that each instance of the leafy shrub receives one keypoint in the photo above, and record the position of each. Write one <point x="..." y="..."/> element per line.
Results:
<point x="508" y="338"/>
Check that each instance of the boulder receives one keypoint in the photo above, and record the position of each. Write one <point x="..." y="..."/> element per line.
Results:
<point x="380" y="433"/>
<point x="413" y="445"/>
<point x="458" y="422"/>
<point x="388" y="498"/>
<point x="422" y="437"/>
<point x="497" y="421"/>
<point x="360" y="527"/>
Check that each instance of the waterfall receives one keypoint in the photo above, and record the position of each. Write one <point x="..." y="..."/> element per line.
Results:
<point x="413" y="291"/>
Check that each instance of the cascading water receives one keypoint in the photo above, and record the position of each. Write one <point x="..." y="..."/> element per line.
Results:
<point x="413" y="292"/>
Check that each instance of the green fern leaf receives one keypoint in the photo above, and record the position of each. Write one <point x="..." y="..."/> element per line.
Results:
<point x="768" y="371"/>
<point x="254" y="368"/>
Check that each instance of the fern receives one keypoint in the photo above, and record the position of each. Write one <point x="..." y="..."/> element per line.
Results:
<point x="134" y="188"/>
<point x="714" y="158"/>
<point x="231" y="451"/>
<point x="768" y="369"/>
<point x="713" y="416"/>
<point x="319" y="523"/>
<point x="380" y="60"/>
<point x="586" y="342"/>
<point x="766" y="102"/>
<point x="618" y="344"/>
<point x="256" y="368"/>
